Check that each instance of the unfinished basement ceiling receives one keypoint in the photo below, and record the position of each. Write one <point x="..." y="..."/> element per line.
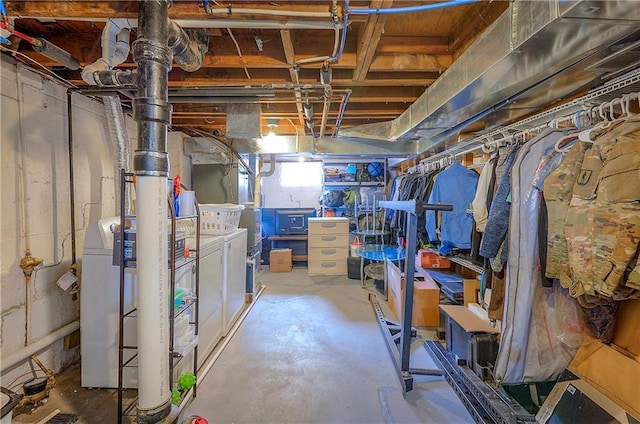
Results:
<point x="387" y="63"/>
<point x="409" y="83"/>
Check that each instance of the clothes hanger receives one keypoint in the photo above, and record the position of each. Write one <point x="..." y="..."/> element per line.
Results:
<point x="586" y="134"/>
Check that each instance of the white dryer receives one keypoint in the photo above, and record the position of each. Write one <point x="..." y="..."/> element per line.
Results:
<point x="210" y="296"/>
<point x="234" y="277"/>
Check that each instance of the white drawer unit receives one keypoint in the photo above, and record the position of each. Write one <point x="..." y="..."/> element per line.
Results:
<point x="328" y="246"/>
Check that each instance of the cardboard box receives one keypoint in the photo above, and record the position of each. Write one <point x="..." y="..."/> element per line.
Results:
<point x="573" y="400"/>
<point x="280" y="260"/>
<point x="626" y="336"/>
<point x="611" y="372"/>
<point x="426" y="297"/>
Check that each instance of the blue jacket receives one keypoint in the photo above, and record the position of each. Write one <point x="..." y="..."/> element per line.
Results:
<point x="455" y="186"/>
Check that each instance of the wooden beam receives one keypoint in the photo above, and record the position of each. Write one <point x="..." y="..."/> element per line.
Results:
<point x="470" y="28"/>
<point x="178" y="10"/>
<point x="369" y="40"/>
<point x="413" y="45"/>
<point x="287" y="45"/>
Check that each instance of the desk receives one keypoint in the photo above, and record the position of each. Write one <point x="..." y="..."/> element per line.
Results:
<point x="380" y="253"/>
<point x="297" y="237"/>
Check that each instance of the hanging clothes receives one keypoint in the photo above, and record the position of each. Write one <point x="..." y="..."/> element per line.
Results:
<point x="558" y="188"/>
<point x="456" y="185"/>
<point x="616" y="220"/>
<point x="484" y="194"/>
<point x="541" y="330"/>
<point x="494" y="240"/>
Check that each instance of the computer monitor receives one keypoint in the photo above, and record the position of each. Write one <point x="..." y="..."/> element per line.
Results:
<point x="293" y="221"/>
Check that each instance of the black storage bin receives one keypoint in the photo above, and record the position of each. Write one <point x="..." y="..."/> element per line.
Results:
<point x="353" y="267"/>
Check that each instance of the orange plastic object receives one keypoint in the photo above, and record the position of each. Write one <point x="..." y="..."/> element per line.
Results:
<point x="428" y="259"/>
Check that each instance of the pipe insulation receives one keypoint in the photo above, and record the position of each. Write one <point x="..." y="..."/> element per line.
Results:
<point x="9" y="361"/>
<point x="55" y="53"/>
<point x="118" y="131"/>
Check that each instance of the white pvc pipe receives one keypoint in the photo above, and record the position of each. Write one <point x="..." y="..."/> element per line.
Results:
<point x="218" y="23"/>
<point x="270" y="12"/>
<point x="35" y="347"/>
<point x="115" y="48"/>
<point x="153" y="292"/>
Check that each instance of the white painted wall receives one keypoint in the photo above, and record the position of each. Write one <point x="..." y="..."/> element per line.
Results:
<point x="35" y="198"/>
<point x="275" y="196"/>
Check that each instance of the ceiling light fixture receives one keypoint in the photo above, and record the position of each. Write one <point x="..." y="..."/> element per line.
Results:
<point x="272" y="123"/>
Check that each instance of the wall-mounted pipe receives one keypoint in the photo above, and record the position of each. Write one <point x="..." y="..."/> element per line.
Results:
<point x="269" y="172"/>
<point x="72" y="199"/>
<point x="9" y="361"/>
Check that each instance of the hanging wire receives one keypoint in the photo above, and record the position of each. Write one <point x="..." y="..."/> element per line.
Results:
<point x="246" y="71"/>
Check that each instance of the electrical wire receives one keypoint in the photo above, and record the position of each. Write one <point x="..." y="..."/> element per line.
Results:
<point x="246" y="71"/>
<point x="411" y="9"/>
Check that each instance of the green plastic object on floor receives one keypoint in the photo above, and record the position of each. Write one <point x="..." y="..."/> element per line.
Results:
<point x="186" y="381"/>
<point x="175" y="396"/>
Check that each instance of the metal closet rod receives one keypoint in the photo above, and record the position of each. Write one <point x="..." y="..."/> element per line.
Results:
<point x="591" y="115"/>
<point x="503" y="134"/>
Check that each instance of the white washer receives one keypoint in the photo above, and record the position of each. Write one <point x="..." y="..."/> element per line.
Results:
<point x="234" y="278"/>
<point x="100" y="310"/>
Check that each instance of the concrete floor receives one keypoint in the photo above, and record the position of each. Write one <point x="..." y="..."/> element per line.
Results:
<point x="309" y="351"/>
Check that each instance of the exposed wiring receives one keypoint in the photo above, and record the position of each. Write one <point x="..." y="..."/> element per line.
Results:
<point x="13" y="384"/>
<point x="410" y="9"/>
<point x="246" y="71"/>
<point x="341" y="109"/>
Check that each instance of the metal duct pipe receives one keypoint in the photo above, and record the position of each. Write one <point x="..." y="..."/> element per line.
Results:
<point x="118" y="132"/>
<point x="272" y="169"/>
<point x="151" y="165"/>
<point x="188" y="53"/>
